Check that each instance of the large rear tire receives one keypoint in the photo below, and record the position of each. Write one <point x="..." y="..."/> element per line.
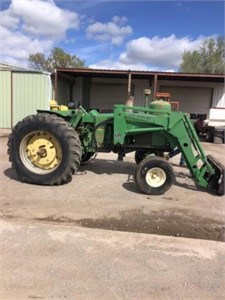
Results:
<point x="44" y="149"/>
<point x="154" y="176"/>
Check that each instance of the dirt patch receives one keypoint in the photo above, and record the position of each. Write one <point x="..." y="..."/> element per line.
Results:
<point x="179" y="224"/>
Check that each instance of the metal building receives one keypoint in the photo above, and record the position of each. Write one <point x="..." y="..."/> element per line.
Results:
<point x="22" y="91"/>
<point x="101" y="89"/>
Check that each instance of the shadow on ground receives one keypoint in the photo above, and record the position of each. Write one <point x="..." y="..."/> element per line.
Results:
<point x="111" y="167"/>
<point x="179" y="224"/>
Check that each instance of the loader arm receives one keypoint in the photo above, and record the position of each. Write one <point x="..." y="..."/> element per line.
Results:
<point x="179" y="132"/>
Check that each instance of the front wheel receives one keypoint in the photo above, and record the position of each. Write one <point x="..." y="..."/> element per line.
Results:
<point x="154" y="176"/>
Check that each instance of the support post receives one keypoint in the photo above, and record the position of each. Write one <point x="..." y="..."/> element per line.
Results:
<point x="155" y="86"/>
<point x="56" y="84"/>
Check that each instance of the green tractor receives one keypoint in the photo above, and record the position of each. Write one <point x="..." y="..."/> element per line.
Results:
<point x="48" y="147"/>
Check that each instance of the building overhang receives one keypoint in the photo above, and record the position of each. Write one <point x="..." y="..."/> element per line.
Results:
<point x="73" y="73"/>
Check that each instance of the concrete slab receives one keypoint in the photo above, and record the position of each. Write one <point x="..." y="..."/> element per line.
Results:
<point x="42" y="261"/>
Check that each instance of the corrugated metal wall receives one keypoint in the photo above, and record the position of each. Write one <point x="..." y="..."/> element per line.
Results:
<point x="69" y="91"/>
<point x="193" y="100"/>
<point x="30" y="92"/>
<point x="139" y="86"/>
<point x="189" y="84"/>
<point x="5" y="99"/>
<point x="219" y="95"/>
<point x="218" y="89"/>
<point x="116" y="92"/>
<point x="63" y="92"/>
<point x="77" y="89"/>
<point x="106" y="92"/>
<point x="21" y="94"/>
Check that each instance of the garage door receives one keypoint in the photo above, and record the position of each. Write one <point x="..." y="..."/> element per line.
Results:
<point x="105" y="95"/>
<point x="192" y="100"/>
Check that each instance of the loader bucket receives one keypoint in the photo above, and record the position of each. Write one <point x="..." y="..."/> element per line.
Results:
<point x="216" y="182"/>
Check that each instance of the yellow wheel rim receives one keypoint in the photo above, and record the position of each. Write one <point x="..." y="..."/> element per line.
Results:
<point x="40" y="152"/>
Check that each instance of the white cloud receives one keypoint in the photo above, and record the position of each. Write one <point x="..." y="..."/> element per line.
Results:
<point x="8" y="19"/>
<point x="165" y="52"/>
<point x="31" y="26"/>
<point x="16" y="46"/>
<point x="44" y="18"/>
<point x="119" y="20"/>
<point x="109" y="64"/>
<point x="112" y="31"/>
<point x="152" y="54"/>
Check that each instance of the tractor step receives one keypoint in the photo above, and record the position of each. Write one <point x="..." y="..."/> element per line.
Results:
<point x="216" y="182"/>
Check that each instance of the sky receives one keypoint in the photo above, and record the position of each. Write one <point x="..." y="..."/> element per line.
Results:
<point x="120" y="35"/>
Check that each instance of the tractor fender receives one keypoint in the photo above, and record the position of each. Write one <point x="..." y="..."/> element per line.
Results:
<point x="60" y="113"/>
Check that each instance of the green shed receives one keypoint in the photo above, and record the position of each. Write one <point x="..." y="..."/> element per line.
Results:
<point x="22" y="92"/>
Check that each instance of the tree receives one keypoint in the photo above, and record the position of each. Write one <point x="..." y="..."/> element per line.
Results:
<point x="209" y="59"/>
<point x="58" y="58"/>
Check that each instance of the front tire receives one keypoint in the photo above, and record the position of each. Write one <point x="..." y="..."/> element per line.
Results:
<point x="44" y="149"/>
<point x="154" y="176"/>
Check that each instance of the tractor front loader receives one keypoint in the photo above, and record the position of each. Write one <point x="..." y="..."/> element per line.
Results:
<point x="47" y="148"/>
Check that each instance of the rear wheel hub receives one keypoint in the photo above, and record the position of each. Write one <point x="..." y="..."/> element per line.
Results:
<point x="40" y="152"/>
